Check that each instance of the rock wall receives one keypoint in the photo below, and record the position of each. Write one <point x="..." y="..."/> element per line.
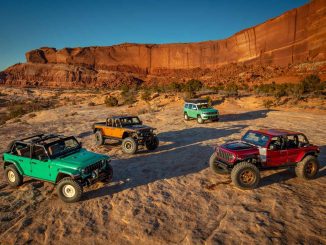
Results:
<point x="296" y="36"/>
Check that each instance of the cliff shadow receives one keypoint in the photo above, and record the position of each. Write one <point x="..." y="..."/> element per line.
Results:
<point x="250" y="115"/>
<point x="185" y="155"/>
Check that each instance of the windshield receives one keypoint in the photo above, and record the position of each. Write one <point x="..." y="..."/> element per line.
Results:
<point x="255" y="138"/>
<point x="62" y="147"/>
<point x="128" y="121"/>
<point x="203" y="106"/>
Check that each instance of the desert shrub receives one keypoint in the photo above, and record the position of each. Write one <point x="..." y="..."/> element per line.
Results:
<point x="111" y="101"/>
<point x="231" y="89"/>
<point x="146" y="95"/>
<point x="268" y="104"/>
<point x="193" y="85"/>
<point x="176" y="87"/>
<point x="312" y="84"/>
<point x="17" y="111"/>
<point x="209" y="100"/>
<point x="91" y="103"/>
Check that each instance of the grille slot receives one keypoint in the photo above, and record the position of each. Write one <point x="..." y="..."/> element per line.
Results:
<point x="93" y="167"/>
<point x="225" y="155"/>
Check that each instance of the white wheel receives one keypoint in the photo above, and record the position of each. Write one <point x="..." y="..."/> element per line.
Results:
<point x="11" y="176"/>
<point x="68" y="191"/>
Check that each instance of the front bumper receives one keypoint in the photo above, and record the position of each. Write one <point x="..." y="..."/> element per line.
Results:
<point x="210" y="117"/>
<point x="97" y="175"/>
<point x="225" y="166"/>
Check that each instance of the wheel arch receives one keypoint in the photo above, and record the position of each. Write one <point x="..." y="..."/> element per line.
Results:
<point x="63" y="174"/>
<point x="8" y="163"/>
<point x="303" y="155"/>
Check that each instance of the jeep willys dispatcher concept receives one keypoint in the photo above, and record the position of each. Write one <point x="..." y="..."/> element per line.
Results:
<point x="200" y="110"/>
<point x="265" y="149"/>
<point x="129" y="130"/>
<point x="57" y="159"/>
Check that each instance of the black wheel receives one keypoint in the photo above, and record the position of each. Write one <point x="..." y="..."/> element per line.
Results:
<point x="109" y="173"/>
<point x="245" y="176"/>
<point x="129" y="145"/>
<point x="152" y="144"/>
<point x="69" y="190"/>
<point x="200" y="120"/>
<point x="215" y="166"/>
<point x="12" y="176"/>
<point x="99" y="140"/>
<point x="307" y="168"/>
<point x="186" y="116"/>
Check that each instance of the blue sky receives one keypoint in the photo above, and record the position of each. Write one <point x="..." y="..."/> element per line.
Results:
<point x="30" y="24"/>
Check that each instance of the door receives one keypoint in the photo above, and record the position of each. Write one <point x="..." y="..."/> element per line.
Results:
<point x="193" y="111"/>
<point x="23" y="153"/>
<point x="276" y="152"/>
<point x="294" y="147"/>
<point x="40" y="163"/>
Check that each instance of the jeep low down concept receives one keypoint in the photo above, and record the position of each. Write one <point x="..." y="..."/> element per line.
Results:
<point x="200" y="110"/>
<point x="265" y="149"/>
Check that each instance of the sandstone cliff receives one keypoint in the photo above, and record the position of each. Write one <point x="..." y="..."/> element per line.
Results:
<point x="296" y="36"/>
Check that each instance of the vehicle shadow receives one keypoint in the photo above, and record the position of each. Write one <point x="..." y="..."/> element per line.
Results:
<point x="286" y="174"/>
<point x="250" y="115"/>
<point x="186" y="155"/>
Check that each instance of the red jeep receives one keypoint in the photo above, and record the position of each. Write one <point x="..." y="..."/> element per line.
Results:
<point x="265" y="149"/>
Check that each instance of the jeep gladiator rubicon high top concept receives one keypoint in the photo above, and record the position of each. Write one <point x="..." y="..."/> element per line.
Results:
<point x="57" y="159"/>
<point x="128" y="129"/>
<point x="200" y="110"/>
<point x="265" y="149"/>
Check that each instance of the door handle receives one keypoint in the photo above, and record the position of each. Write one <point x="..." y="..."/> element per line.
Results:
<point x="33" y="162"/>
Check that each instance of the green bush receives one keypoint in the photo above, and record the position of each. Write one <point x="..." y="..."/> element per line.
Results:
<point x="231" y="89"/>
<point x="193" y="85"/>
<point x="268" y="104"/>
<point x="111" y="101"/>
<point x="209" y="100"/>
<point x="146" y="95"/>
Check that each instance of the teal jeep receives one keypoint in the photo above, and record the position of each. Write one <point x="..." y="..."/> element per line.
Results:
<point x="57" y="159"/>
<point x="200" y="110"/>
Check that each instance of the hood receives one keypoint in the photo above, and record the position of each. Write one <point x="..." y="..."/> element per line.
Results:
<point x="240" y="149"/>
<point x="79" y="159"/>
<point x="238" y="146"/>
<point x="139" y="127"/>
<point x="208" y="110"/>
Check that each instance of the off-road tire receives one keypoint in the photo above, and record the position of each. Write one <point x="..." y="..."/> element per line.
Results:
<point x="153" y="144"/>
<point x="307" y="168"/>
<point x="214" y="165"/>
<point x="200" y="120"/>
<point x="129" y="145"/>
<point x="186" y="117"/>
<point x="109" y="172"/>
<point x="99" y="140"/>
<point x="12" y="176"/>
<point x="69" y="190"/>
<point x="245" y="176"/>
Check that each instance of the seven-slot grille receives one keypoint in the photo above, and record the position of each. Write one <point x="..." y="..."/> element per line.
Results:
<point x="210" y="113"/>
<point x="93" y="167"/>
<point x="224" y="154"/>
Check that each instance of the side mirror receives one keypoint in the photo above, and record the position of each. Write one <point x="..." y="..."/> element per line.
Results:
<point x="81" y="144"/>
<point x="272" y="147"/>
<point x="141" y="122"/>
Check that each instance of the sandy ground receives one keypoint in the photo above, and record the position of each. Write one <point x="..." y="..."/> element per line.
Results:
<point x="169" y="196"/>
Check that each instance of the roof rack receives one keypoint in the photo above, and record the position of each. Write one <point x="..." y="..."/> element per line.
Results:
<point x="41" y="137"/>
<point x="196" y="101"/>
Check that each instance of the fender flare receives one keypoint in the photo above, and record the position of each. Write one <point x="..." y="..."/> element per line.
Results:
<point x="74" y="175"/>
<point x="309" y="153"/>
<point x="7" y="163"/>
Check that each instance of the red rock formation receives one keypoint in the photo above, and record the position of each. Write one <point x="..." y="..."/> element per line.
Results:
<point x="296" y="36"/>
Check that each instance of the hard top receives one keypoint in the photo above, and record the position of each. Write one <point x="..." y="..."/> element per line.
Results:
<point x="42" y="139"/>
<point x="197" y="101"/>
<point x="276" y="132"/>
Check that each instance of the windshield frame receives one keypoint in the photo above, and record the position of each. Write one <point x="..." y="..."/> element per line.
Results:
<point x="206" y="106"/>
<point x="255" y="143"/>
<point x="130" y="124"/>
<point x="62" y="153"/>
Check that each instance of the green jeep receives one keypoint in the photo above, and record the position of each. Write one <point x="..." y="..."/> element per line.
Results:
<point x="199" y="109"/>
<point x="57" y="159"/>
